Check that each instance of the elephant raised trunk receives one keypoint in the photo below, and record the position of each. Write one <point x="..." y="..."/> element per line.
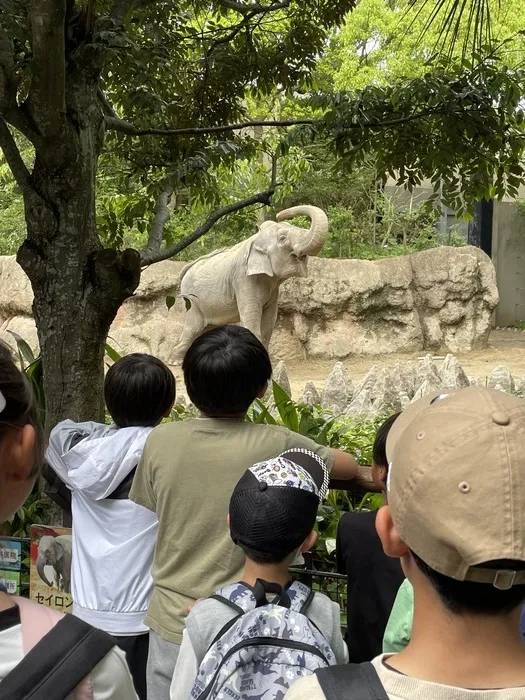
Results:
<point x="40" y="564"/>
<point x="306" y="241"/>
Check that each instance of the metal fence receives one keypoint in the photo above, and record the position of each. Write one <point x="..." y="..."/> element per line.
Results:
<point x="330" y="583"/>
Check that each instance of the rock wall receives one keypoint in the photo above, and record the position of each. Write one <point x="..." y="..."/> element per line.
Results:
<point x="437" y="299"/>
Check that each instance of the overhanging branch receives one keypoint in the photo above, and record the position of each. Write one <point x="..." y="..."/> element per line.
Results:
<point x="254" y="7"/>
<point x="13" y="157"/>
<point x="259" y="198"/>
<point x="128" y="128"/>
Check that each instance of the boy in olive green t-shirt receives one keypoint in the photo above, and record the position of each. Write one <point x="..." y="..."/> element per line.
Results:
<point x="187" y="474"/>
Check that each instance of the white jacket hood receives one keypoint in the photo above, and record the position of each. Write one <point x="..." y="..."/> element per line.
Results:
<point x="94" y="458"/>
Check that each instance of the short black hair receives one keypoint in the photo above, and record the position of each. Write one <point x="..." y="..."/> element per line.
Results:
<point x="225" y="369"/>
<point x="20" y="407"/>
<point x="473" y="597"/>
<point x="379" y="449"/>
<point x="266" y="557"/>
<point x="139" y="390"/>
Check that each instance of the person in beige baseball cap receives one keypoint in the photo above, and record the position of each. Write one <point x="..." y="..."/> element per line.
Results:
<point x="456" y="520"/>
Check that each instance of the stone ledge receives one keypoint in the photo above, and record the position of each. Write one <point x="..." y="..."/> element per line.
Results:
<point x="441" y="298"/>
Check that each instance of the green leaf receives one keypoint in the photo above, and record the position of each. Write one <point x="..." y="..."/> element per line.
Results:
<point x="24" y="350"/>
<point x="112" y="353"/>
<point x="170" y="301"/>
<point x="264" y="416"/>
<point x="286" y="408"/>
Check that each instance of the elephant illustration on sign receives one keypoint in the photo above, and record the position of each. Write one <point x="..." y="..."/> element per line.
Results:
<point x="55" y="552"/>
<point x="241" y="283"/>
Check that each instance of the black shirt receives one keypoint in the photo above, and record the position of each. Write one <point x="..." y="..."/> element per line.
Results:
<point x="373" y="580"/>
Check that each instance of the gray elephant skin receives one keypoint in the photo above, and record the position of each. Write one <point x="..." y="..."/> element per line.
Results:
<point x="56" y="552"/>
<point x="241" y="283"/>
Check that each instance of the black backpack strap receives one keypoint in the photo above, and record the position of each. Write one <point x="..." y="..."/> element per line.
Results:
<point x="231" y="622"/>
<point x="351" y="682"/>
<point x="227" y="602"/>
<point x="56" y="665"/>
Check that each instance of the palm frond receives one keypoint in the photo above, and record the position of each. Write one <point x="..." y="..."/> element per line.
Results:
<point x="468" y="21"/>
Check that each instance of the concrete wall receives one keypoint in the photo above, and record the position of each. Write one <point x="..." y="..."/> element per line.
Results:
<point x="508" y="256"/>
<point x="508" y="250"/>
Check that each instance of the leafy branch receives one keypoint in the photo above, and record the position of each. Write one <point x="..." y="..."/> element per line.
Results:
<point x="126" y="127"/>
<point x="253" y="7"/>
<point x="148" y="258"/>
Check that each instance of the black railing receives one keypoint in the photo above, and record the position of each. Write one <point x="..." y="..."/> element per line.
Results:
<point x="330" y="583"/>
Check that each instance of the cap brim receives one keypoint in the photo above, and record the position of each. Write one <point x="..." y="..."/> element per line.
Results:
<point x="407" y="416"/>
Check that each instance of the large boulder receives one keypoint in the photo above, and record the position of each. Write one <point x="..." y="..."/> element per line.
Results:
<point x="338" y="389"/>
<point x="437" y="299"/>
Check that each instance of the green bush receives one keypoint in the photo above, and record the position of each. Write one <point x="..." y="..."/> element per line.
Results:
<point x="354" y="435"/>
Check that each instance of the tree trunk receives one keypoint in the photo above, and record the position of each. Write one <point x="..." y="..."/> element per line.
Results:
<point x="78" y="285"/>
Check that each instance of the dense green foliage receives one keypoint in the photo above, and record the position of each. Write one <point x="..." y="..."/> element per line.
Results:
<point x="380" y="62"/>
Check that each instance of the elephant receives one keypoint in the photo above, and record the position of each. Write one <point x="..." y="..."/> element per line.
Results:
<point x="241" y="283"/>
<point x="56" y="552"/>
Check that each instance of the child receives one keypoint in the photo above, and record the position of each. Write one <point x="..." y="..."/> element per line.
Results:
<point x="114" y="538"/>
<point x="187" y="473"/>
<point x="373" y="578"/>
<point x="272" y="514"/>
<point x="454" y="517"/>
<point x="21" y="457"/>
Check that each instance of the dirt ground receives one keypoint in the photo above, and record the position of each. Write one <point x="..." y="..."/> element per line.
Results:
<point x="506" y="347"/>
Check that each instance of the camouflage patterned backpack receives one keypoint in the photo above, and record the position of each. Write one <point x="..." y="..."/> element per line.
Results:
<point x="265" y="648"/>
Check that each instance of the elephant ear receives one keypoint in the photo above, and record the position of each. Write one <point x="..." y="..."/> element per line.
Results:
<point x="258" y="261"/>
<point x="58" y="550"/>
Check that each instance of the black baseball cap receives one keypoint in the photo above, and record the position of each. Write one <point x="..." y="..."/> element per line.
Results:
<point x="274" y="505"/>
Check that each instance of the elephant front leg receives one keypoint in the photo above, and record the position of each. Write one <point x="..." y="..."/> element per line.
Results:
<point x="194" y="324"/>
<point x="269" y="317"/>
<point x="250" y="314"/>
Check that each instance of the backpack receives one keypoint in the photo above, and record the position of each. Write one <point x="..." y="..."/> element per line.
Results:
<point x="265" y="648"/>
<point x="351" y="682"/>
<point x="59" y="653"/>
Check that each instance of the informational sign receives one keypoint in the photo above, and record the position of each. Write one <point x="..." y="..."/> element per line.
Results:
<point x="50" y="569"/>
<point x="10" y="565"/>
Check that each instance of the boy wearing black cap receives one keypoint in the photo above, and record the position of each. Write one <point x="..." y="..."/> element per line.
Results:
<point x="271" y="516"/>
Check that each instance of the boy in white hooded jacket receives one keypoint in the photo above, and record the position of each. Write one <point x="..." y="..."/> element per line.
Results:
<point x="114" y="538"/>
